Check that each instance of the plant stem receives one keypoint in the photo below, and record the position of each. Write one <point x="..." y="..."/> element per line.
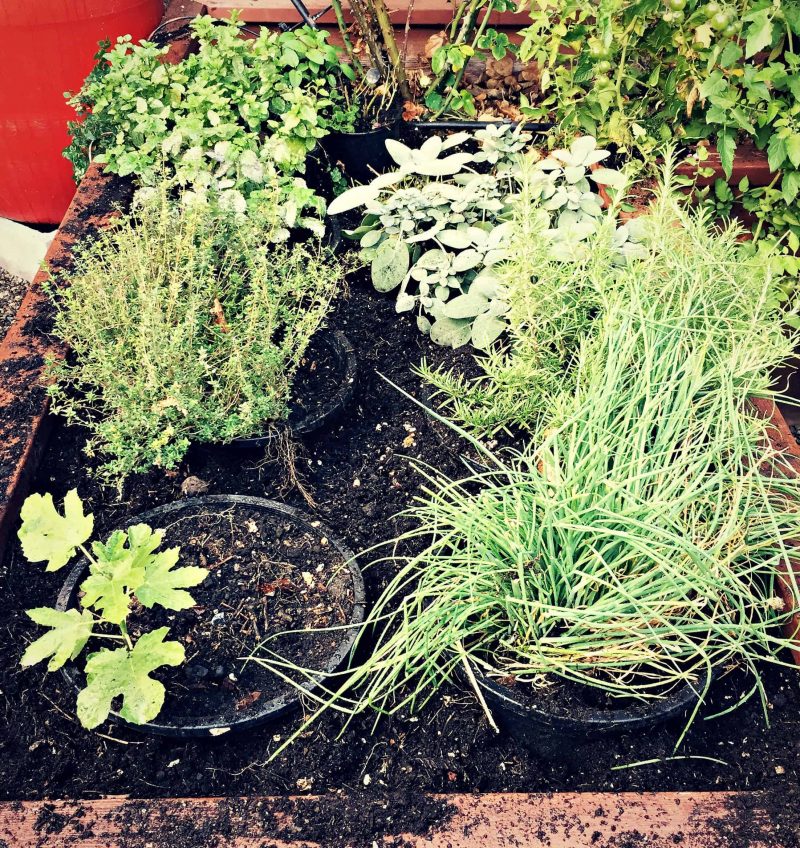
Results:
<point x="360" y="14"/>
<point x="460" y="74"/>
<point x="84" y="550"/>
<point x="474" y="683"/>
<point x="387" y="31"/>
<point x="348" y="44"/>
<point x="124" y="630"/>
<point x="467" y="26"/>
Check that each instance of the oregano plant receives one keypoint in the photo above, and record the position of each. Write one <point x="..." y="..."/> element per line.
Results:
<point x="126" y="570"/>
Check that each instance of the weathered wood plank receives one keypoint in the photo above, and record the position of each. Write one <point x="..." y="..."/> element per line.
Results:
<point x="561" y="820"/>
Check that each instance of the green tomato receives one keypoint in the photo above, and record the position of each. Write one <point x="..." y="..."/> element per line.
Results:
<point x="711" y="8"/>
<point x="676" y="5"/>
<point x="676" y="16"/>
<point x="731" y="30"/>
<point x="598" y="50"/>
<point x="719" y="21"/>
<point x="602" y="67"/>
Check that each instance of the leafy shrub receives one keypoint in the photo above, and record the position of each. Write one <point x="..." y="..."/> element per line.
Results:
<point x="436" y="227"/>
<point x="185" y="325"/>
<point x="135" y="111"/>
<point x="126" y="569"/>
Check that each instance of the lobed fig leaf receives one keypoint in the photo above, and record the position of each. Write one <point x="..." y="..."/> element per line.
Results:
<point x="46" y="535"/>
<point x="69" y="632"/>
<point x="119" y="571"/>
<point x="126" y="673"/>
<point x="164" y="585"/>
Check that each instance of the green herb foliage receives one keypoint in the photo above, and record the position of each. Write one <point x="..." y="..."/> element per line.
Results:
<point x="136" y="111"/>
<point x="128" y="568"/>
<point x="435" y="229"/>
<point x="643" y="73"/>
<point x="635" y="545"/>
<point x="185" y="325"/>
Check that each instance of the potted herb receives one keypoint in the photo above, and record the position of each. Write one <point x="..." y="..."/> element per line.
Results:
<point x="272" y="97"/>
<point x="358" y="148"/>
<point x="435" y="229"/>
<point x="187" y="323"/>
<point x="174" y="667"/>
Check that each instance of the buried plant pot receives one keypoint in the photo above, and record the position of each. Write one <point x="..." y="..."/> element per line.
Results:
<point x="271" y="570"/>
<point x="362" y="155"/>
<point x="315" y="403"/>
<point x="557" y="730"/>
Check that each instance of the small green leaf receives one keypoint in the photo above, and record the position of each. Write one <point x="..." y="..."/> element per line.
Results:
<point x="352" y="198"/>
<point x="466" y="306"/>
<point x="758" y="32"/>
<point x="609" y="177"/>
<point x="119" y="570"/>
<point x="793" y="149"/>
<point x="726" y="147"/>
<point x="450" y="332"/>
<point x="790" y="188"/>
<point x="127" y="673"/>
<point x="70" y="632"/>
<point x="486" y="330"/>
<point x="457" y="239"/>
<point x="46" y="535"/>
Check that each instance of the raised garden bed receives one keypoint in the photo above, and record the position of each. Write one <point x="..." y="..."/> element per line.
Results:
<point x="566" y="820"/>
<point x="441" y="777"/>
<point x="359" y="476"/>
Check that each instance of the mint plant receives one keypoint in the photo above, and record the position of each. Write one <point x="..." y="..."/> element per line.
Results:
<point x="279" y="93"/>
<point x="127" y="569"/>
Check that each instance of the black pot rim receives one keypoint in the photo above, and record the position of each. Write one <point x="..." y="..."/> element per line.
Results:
<point x="344" y="353"/>
<point x="269" y="710"/>
<point x="591" y="721"/>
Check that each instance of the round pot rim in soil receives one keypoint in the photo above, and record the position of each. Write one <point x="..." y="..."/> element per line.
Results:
<point x="345" y="357"/>
<point x="523" y="715"/>
<point x="271" y="709"/>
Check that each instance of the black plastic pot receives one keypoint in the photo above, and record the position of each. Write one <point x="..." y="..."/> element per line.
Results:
<point x="302" y="424"/>
<point x="415" y="132"/>
<point x="361" y="154"/>
<point x="558" y="736"/>
<point x="177" y="726"/>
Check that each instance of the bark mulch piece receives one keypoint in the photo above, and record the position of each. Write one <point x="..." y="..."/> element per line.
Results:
<point x="564" y="820"/>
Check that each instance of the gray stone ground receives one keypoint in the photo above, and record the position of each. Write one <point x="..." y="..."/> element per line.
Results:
<point x="11" y="291"/>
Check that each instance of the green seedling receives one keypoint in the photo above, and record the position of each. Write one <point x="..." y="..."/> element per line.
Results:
<point x="128" y="568"/>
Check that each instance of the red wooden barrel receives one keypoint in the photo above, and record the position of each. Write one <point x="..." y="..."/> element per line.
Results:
<point x="46" y="48"/>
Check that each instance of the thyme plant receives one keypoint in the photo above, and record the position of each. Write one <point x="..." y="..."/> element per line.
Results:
<point x="185" y="325"/>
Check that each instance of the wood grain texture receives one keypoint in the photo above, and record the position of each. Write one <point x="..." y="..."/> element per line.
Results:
<point x="561" y="820"/>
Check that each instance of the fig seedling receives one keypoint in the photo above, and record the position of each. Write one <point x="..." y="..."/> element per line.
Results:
<point x="127" y="567"/>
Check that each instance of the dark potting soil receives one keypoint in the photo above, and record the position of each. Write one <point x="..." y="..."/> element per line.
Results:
<point x="267" y="575"/>
<point x="359" y="476"/>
